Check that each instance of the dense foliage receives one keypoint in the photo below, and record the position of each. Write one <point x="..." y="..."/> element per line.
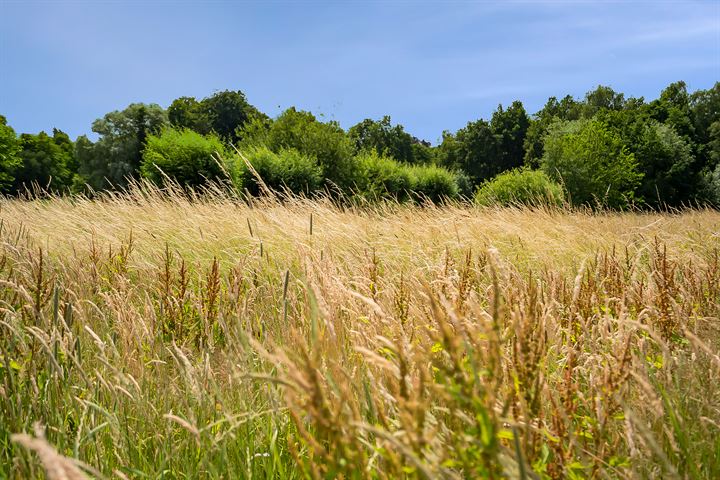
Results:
<point x="288" y="170"/>
<point x="9" y="155"/>
<point x="591" y="162"/>
<point x="183" y="156"/>
<point x="520" y="187"/>
<point x="384" y="177"/>
<point x="605" y="150"/>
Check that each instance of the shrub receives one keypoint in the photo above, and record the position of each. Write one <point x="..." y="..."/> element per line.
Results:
<point x="464" y="184"/>
<point x="286" y="170"/>
<point x="591" y="162"/>
<point x="383" y="177"/>
<point x="184" y="156"/>
<point x="433" y="183"/>
<point x="525" y="187"/>
<point x="326" y="142"/>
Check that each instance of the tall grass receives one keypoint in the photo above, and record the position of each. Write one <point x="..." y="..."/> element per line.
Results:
<point x="156" y="335"/>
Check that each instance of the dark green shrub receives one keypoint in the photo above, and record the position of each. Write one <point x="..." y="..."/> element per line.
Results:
<point x="382" y="177"/>
<point x="464" y="184"/>
<point x="520" y="187"/>
<point x="286" y="170"/>
<point x="183" y="156"/>
<point x="433" y="183"/>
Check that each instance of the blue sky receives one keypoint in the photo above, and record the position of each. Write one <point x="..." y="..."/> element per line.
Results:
<point x="432" y="66"/>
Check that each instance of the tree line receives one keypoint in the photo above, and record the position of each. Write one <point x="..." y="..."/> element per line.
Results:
<point x="601" y="150"/>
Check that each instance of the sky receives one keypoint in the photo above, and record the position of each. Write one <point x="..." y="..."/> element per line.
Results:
<point x="431" y="66"/>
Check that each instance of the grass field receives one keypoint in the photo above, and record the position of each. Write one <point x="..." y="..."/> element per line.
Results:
<point x="152" y="336"/>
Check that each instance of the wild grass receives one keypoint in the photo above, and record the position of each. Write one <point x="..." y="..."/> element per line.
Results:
<point x="156" y="335"/>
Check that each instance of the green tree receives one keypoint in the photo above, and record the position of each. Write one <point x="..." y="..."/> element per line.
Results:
<point x="711" y="176"/>
<point x="510" y="128"/>
<point x="673" y="108"/>
<point x="567" y="109"/>
<point x="184" y="156"/>
<point x="91" y="165"/>
<point x="473" y="150"/>
<point x="326" y="142"/>
<point x="423" y="152"/>
<point x="63" y="141"/>
<point x="483" y="149"/>
<point x="712" y="187"/>
<point x="384" y="138"/>
<point x="9" y="156"/>
<point x="44" y="163"/>
<point x="227" y="112"/>
<point x="116" y="157"/>
<point x="705" y="110"/>
<point x="714" y="143"/>
<point x="187" y="112"/>
<point x="592" y="163"/>
<point x="224" y="113"/>
<point x="666" y="160"/>
<point x="602" y="98"/>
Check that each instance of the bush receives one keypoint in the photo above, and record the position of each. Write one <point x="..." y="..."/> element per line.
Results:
<point x="523" y="187"/>
<point x="383" y="177"/>
<point x="286" y="170"/>
<point x="464" y="184"/>
<point x="592" y="163"/>
<point x="184" y="156"/>
<point x="326" y="142"/>
<point x="433" y="183"/>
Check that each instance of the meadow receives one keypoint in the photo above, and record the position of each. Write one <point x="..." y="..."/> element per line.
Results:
<point x="154" y="335"/>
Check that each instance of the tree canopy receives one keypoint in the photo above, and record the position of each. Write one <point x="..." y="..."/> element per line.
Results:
<point x="115" y="158"/>
<point x="603" y="148"/>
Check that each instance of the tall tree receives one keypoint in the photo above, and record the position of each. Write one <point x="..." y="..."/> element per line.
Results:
<point x="705" y="110"/>
<point x="714" y="144"/>
<point x="224" y="113"/>
<point x="591" y="162"/>
<point x="227" y="111"/>
<point x="602" y="98"/>
<point x="116" y="157"/>
<point x="667" y="163"/>
<point x="567" y="109"/>
<point x="63" y="141"/>
<point x="673" y="108"/>
<point x="9" y="156"/>
<point x="664" y="157"/>
<point x="44" y="164"/>
<point x="473" y="150"/>
<point x="187" y="112"/>
<point x="384" y="138"/>
<point x="510" y="128"/>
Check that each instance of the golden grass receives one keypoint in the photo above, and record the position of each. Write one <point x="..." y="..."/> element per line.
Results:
<point x="209" y="337"/>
